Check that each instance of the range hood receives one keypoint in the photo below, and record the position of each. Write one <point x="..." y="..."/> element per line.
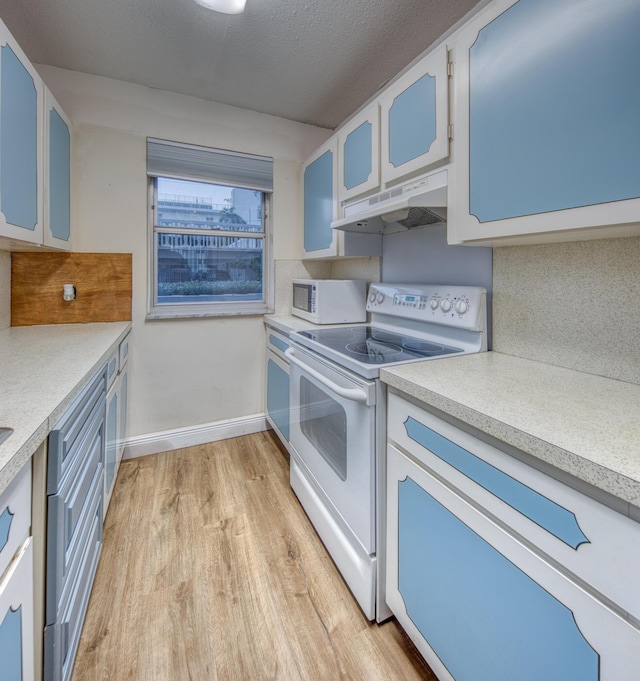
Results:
<point x="418" y="203"/>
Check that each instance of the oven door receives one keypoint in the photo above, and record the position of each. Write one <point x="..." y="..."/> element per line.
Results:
<point x="333" y="435"/>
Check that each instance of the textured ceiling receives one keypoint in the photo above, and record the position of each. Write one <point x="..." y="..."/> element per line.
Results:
<point x="314" y="61"/>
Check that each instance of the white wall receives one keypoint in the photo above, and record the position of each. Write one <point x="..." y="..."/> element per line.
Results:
<point x="184" y="372"/>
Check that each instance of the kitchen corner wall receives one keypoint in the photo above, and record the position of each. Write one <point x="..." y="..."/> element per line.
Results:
<point x="575" y="305"/>
<point x="184" y="372"/>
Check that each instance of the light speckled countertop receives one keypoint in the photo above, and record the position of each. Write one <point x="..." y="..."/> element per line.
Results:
<point x="42" y="369"/>
<point x="585" y="425"/>
<point x="287" y="323"/>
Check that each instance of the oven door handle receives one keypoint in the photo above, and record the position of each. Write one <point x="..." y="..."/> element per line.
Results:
<point x="353" y="394"/>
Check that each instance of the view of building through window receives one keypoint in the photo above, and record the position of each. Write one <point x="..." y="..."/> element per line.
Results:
<point x="209" y="242"/>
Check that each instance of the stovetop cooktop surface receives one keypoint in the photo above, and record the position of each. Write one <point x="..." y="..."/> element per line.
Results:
<point x="371" y="345"/>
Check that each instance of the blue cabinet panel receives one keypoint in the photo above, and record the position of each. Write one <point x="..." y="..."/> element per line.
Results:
<point x="18" y="142"/>
<point x="274" y="340"/>
<point x="278" y="396"/>
<point x="412" y="121"/>
<point x="59" y="177"/>
<point x="554" y="108"/>
<point x="6" y="517"/>
<point x="318" y="203"/>
<point x="358" y="154"/>
<point x="551" y="516"/>
<point x="110" y="457"/>
<point x="485" y="619"/>
<point x="11" y="645"/>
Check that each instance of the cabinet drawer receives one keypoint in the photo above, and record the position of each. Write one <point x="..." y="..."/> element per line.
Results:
<point x="112" y="368"/>
<point x="15" y="515"/>
<point x="278" y="343"/>
<point x="69" y="513"/>
<point x="69" y="435"/>
<point x="61" y="639"/>
<point x="123" y="352"/>
<point x="582" y="536"/>
<point x="480" y="604"/>
<point x="16" y="617"/>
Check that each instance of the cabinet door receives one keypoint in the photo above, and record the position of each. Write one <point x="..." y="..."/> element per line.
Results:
<point x="415" y="118"/>
<point x="320" y="202"/>
<point x="278" y="395"/>
<point x="359" y="157"/>
<point x="122" y="415"/>
<point x="546" y="130"/>
<point x="16" y="618"/>
<point x="111" y="446"/>
<point x="57" y="175"/>
<point x="480" y="605"/>
<point x="21" y="93"/>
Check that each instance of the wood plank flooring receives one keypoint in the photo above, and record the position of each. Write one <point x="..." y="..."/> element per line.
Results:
<point x="210" y="570"/>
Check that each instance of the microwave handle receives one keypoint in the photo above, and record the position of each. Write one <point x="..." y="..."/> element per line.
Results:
<point x="354" y="394"/>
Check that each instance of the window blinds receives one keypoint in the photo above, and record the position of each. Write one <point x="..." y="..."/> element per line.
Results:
<point x="202" y="164"/>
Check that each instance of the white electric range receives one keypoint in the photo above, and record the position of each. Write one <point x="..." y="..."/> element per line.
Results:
<point x="338" y="414"/>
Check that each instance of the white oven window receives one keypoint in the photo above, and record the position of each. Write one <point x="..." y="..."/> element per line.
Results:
<point x="323" y="422"/>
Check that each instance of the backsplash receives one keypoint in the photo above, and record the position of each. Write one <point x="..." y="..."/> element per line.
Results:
<point x="575" y="305"/>
<point x="103" y="284"/>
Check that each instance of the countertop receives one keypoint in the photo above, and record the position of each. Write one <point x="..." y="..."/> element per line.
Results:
<point x="43" y="368"/>
<point x="287" y="323"/>
<point x="582" y="424"/>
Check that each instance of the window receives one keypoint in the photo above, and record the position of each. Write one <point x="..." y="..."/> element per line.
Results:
<point x="209" y="236"/>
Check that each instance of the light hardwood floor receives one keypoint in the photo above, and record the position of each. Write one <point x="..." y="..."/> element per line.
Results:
<point x="211" y="570"/>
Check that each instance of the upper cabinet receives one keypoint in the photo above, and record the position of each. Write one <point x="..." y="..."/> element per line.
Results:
<point x="21" y="107"/>
<point x="359" y="158"/>
<point x="57" y="175"/>
<point x="546" y="121"/>
<point x="414" y="114"/>
<point x="320" y="198"/>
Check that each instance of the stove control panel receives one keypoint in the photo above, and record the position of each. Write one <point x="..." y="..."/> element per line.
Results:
<point x="459" y="306"/>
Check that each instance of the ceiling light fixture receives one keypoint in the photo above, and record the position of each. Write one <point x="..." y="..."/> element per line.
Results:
<point x="224" y="6"/>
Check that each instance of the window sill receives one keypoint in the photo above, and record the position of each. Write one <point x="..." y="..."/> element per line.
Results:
<point x="196" y="312"/>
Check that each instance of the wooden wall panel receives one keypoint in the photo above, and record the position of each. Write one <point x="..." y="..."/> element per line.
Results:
<point x="103" y="284"/>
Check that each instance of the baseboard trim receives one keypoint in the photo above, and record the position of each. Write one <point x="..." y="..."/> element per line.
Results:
<point x="166" y="440"/>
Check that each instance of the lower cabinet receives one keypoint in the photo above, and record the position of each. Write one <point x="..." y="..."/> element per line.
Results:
<point x="481" y="602"/>
<point x="16" y="617"/>
<point x="75" y="486"/>
<point x="278" y="384"/>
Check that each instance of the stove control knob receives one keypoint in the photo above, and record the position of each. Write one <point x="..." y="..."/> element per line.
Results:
<point x="434" y="303"/>
<point x="462" y="306"/>
<point x="445" y="305"/>
<point x="372" y="297"/>
<point x="380" y="297"/>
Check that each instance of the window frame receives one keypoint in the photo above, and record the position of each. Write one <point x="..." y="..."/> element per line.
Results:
<point x="175" y="310"/>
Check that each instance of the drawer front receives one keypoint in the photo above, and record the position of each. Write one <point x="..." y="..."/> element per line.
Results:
<point x="112" y="368"/>
<point x="69" y="513"/>
<point x="277" y="342"/>
<point x="62" y="637"/>
<point x="582" y="535"/>
<point x="123" y="352"/>
<point x="15" y="515"/>
<point x="69" y="435"/>
<point x="16" y="618"/>
<point x="459" y="582"/>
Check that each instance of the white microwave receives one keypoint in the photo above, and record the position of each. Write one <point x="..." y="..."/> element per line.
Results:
<point x="329" y="301"/>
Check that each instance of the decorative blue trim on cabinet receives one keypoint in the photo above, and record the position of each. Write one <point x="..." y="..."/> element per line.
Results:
<point x="553" y="123"/>
<point x="274" y="340"/>
<point x="18" y="142"/>
<point x="412" y="121"/>
<point x="548" y="514"/>
<point x="11" y="645"/>
<point x="6" y="518"/>
<point x="59" y="177"/>
<point x="484" y="617"/>
<point x="318" y="203"/>
<point x="358" y="153"/>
